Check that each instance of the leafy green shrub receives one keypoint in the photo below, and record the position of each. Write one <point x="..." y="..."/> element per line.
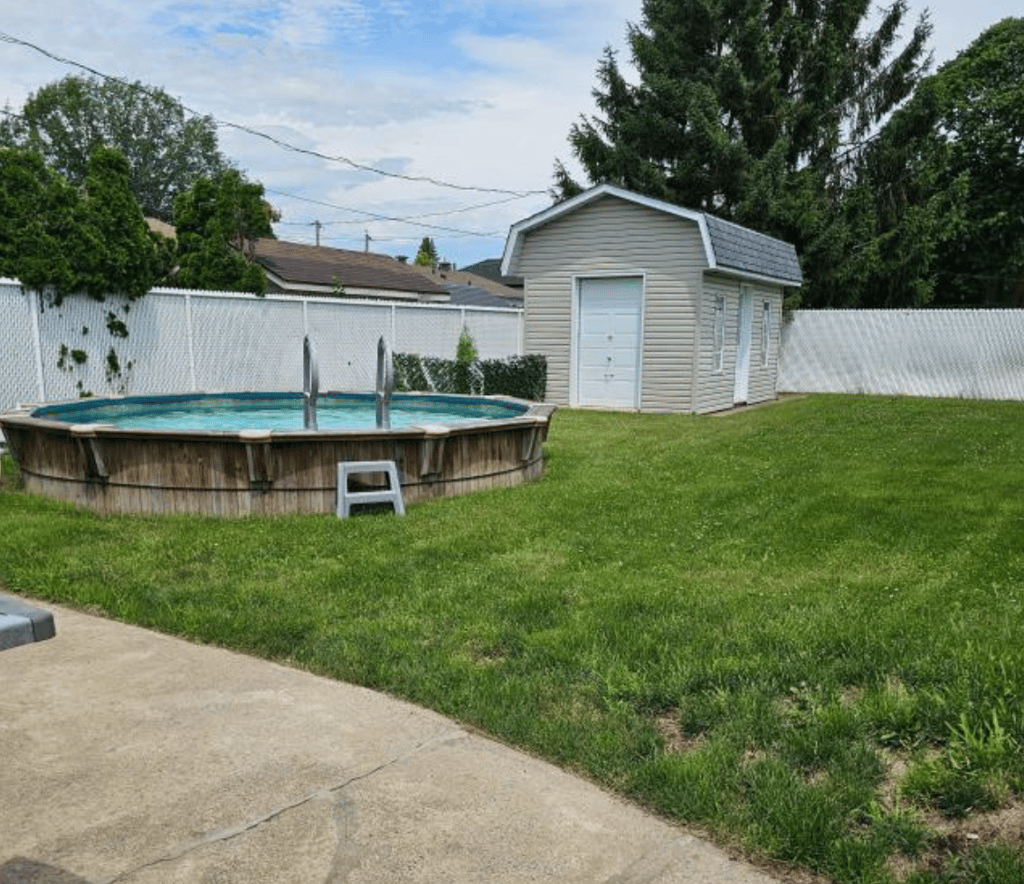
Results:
<point x="466" y="351"/>
<point x="525" y="377"/>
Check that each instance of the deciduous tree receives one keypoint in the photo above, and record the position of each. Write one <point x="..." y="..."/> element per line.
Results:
<point x="976" y="105"/>
<point x="166" y="149"/>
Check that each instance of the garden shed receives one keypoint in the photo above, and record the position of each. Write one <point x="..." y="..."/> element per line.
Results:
<point x="639" y="304"/>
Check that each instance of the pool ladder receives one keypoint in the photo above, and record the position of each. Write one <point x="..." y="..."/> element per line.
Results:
<point x="311" y="384"/>
<point x="385" y="387"/>
<point x="393" y="493"/>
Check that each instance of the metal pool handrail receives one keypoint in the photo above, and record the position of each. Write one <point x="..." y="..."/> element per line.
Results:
<point x="310" y="384"/>
<point x="385" y="385"/>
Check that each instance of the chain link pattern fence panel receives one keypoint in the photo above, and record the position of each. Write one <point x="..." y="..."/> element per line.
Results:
<point x="436" y="333"/>
<point x="83" y="352"/>
<point x="19" y="376"/>
<point x="181" y="341"/>
<point x="346" y="343"/>
<point x="247" y="344"/>
<point x="971" y="354"/>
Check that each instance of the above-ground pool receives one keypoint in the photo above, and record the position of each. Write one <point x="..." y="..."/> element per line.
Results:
<point x="235" y="454"/>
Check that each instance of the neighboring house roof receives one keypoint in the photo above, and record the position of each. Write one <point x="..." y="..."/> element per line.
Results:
<point x="295" y="267"/>
<point x="474" y="296"/>
<point x="473" y="289"/>
<point x="490" y="268"/>
<point x="728" y="247"/>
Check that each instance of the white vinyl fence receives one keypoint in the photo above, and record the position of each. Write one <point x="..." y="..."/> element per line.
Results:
<point x="185" y="341"/>
<point x="970" y="354"/>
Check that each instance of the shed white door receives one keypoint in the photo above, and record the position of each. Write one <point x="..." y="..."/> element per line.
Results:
<point x="608" y="346"/>
<point x="744" y="336"/>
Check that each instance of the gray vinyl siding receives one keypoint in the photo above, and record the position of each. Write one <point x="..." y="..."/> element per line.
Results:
<point x="763" y="377"/>
<point x="548" y="330"/>
<point x="610" y="237"/>
<point x="715" y="389"/>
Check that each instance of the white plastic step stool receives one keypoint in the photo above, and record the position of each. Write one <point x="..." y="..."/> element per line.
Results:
<point x="392" y="494"/>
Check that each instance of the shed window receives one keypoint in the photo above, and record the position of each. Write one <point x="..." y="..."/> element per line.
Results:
<point x="719" y="333"/>
<point x="766" y="332"/>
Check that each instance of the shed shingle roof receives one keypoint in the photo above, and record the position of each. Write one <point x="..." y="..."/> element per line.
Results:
<point x="740" y="248"/>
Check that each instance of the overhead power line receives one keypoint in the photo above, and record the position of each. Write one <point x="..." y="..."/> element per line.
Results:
<point x="426" y="179"/>
<point x="377" y="217"/>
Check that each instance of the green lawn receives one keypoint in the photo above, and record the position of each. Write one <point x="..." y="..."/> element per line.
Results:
<point x="797" y="628"/>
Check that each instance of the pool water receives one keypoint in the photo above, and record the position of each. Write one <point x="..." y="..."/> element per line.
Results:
<point x="274" y="411"/>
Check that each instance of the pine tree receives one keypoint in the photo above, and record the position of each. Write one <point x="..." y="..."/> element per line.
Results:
<point x="754" y="110"/>
<point x="427" y="255"/>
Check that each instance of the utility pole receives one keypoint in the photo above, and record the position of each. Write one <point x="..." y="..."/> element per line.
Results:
<point x="317" y="225"/>
<point x="366" y="245"/>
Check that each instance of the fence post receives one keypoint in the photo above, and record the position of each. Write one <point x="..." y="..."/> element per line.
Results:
<point x="37" y="341"/>
<point x="189" y="337"/>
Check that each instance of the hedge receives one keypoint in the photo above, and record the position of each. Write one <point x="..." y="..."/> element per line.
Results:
<point x="524" y="377"/>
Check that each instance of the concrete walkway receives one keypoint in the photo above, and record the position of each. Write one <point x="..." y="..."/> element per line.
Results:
<point x="131" y="757"/>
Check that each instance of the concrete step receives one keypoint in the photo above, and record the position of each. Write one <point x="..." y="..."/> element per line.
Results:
<point x="22" y="623"/>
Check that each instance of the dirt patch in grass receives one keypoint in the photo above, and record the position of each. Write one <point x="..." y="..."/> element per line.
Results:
<point x="954" y="838"/>
<point x="676" y="742"/>
<point x="896" y="767"/>
<point x="1005" y="825"/>
<point x="951" y="837"/>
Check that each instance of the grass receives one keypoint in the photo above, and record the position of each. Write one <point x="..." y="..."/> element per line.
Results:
<point x="794" y="628"/>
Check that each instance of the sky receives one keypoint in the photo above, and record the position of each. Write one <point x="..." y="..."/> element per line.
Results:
<point x="477" y="96"/>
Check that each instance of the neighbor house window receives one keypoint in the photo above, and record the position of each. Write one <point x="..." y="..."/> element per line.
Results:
<point x="766" y="332"/>
<point x="719" y="333"/>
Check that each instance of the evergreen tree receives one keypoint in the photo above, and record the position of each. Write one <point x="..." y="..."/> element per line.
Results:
<point x="218" y="222"/>
<point x="62" y="241"/>
<point x="754" y="110"/>
<point x="39" y="214"/>
<point x="427" y="255"/>
<point x="902" y="206"/>
<point x="122" y="256"/>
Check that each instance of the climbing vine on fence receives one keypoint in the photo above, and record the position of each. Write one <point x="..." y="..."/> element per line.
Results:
<point x="62" y="241"/>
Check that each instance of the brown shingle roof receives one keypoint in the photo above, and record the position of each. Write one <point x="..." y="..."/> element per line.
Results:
<point x="449" y="279"/>
<point x="298" y="264"/>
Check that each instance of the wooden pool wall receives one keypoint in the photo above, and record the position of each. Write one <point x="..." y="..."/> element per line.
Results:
<point x="253" y="472"/>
